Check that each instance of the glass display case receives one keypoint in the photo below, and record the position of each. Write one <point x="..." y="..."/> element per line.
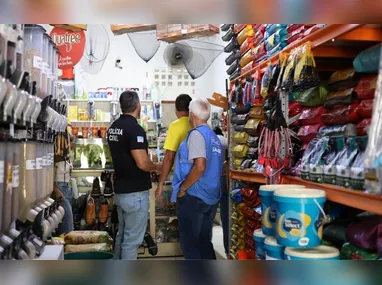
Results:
<point x="91" y="153"/>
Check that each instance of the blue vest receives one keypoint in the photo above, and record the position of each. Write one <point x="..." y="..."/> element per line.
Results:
<point x="207" y="187"/>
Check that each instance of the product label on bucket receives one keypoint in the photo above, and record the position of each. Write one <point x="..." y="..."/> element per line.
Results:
<point x="30" y="164"/>
<point x="2" y="171"/>
<point x="293" y="225"/>
<point x="15" y="176"/>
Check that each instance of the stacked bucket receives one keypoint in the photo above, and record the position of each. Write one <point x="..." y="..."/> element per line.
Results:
<point x="246" y="218"/>
<point x="292" y="224"/>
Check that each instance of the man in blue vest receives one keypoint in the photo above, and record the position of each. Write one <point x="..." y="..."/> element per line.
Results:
<point x="196" y="183"/>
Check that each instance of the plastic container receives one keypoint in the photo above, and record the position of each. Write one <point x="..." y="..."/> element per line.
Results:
<point x="45" y="66"/>
<point x="75" y="131"/>
<point x="85" y="132"/>
<point x="89" y="255"/>
<point x="103" y="131"/>
<point x="94" y="130"/>
<point x="33" y="43"/>
<point x="273" y="250"/>
<point x="2" y="173"/>
<point x="259" y="238"/>
<point x="321" y="252"/>
<point x="268" y="218"/>
<point x="299" y="217"/>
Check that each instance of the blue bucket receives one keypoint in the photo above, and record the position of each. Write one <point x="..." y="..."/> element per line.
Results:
<point x="268" y="218"/>
<point x="299" y="217"/>
<point x="321" y="252"/>
<point x="259" y="238"/>
<point x="273" y="251"/>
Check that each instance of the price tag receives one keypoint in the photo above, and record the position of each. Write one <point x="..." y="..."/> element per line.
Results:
<point x="37" y="61"/>
<point x="2" y="166"/>
<point x="31" y="164"/>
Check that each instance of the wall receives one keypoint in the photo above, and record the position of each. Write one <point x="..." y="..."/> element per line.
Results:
<point x="135" y="71"/>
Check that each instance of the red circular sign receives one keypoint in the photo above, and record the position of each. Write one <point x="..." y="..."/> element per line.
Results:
<point x="71" y="45"/>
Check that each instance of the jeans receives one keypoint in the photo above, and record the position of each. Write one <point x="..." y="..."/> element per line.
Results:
<point x="67" y="222"/>
<point x="196" y="220"/>
<point x="224" y="213"/>
<point x="133" y="212"/>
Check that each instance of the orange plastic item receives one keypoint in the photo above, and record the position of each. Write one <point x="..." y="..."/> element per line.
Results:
<point x="103" y="131"/>
<point x="85" y="132"/>
<point x="75" y="131"/>
<point x="94" y="131"/>
<point x="246" y="255"/>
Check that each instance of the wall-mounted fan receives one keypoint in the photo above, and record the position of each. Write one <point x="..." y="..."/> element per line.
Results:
<point x="196" y="56"/>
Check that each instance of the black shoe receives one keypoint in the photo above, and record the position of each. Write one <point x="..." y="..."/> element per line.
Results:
<point x="235" y="55"/>
<point x="151" y="245"/>
<point x="231" y="46"/>
<point x="228" y="36"/>
<point x="96" y="188"/>
<point x="226" y="27"/>
<point x="234" y="66"/>
<point x="108" y="191"/>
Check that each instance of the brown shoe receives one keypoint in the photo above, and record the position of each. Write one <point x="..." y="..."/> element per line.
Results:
<point x="104" y="212"/>
<point x="90" y="212"/>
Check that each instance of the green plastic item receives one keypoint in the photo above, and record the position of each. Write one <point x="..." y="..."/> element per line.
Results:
<point x="351" y="252"/>
<point x="89" y="255"/>
<point x="312" y="97"/>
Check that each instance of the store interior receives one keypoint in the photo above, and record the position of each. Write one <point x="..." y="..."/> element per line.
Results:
<point x="298" y="104"/>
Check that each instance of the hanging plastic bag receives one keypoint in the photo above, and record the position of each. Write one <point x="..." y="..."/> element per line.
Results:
<point x="278" y="38"/>
<point x="266" y="81"/>
<point x="259" y="53"/>
<point x="240" y="137"/>
<point x="316" y="162"/>
<point x="272" y="28"/>
<point x="287" y="76"/>
<point x="357" y="177"/>
<point x="366" y="87"/>
<point x="240" y="151"/>
<point x="305" y="74"/>
<point x="274" y="77"/>
<point x="257" y="86"/>
<point x="344" y="162"/>
<point x="342" y="115"/>
<point x="312" y="97"/>
<point x="330" y="159"/>
<point x="283" y="59"/>
<point x="312" y="116"/>
<point x="339" y="98"/>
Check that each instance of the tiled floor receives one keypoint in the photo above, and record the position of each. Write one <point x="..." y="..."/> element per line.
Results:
<point x="217" y="240"/>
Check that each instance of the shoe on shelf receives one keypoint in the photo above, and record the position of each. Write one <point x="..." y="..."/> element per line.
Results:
<point x="108" y="190"/>
<point x="104" y="212"/>
<point x="96" y="188"/>
<point x="90" y="212"/>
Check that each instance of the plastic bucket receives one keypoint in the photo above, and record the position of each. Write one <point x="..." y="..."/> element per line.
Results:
<point x="259" y="238"/>
<point x="321" y="252"/>
<point x="299" y="217"/>
<point x="89" y="255"/>
<point x="268" y="218"/>
<point x="273" y="251"/>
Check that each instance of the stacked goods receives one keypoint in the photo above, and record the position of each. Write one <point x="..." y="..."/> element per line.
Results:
<point x="238" y="223"/>
<point x="246" y="218"/>
<point x="248" y="121"/>
<point x="84" y="241"/>
<point x="362" y="239"/>
<point x="249" y="44"/>
<point x="332" y="118"/>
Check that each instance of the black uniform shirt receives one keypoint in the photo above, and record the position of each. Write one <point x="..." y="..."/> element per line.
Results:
<point x="125" y="135"/>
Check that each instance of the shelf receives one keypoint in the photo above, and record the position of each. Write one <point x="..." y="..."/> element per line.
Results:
<point x="98" y="122"/>
<point x="348" y="197"/>
<point x="318" y="38"/>
<point x="248" y="176"/>
<point x="352" y="198"/>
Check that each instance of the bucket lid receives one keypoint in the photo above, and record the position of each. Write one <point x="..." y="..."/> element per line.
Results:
<point x="272" y="242"/>
<point x="259" y="233"/>
<point x="322" y="251"/>
<point x="274" y="187"/>
<point x="300" y="193"/>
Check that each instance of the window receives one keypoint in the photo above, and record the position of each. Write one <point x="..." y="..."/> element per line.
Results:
<point x="180" y="83"/>
<point x="192" y="83"/>
<point x="186" y="83"/>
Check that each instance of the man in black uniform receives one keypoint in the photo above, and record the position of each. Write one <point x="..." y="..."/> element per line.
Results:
<point x="132" y="165"/>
